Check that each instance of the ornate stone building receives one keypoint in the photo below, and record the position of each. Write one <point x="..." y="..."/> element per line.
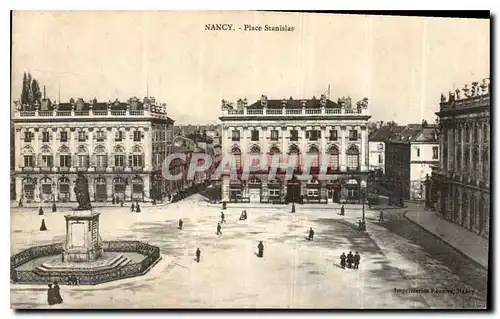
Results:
<point x="462" y="181"/>
<point x="335" y="132"/>
<point x="119" y="146"/>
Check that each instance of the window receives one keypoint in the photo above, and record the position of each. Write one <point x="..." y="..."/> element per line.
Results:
<point x="83" y="160"/>
<point x="28" y="136"/>
<point x="119" y="160"/>
<point x="418" y="151"/>
<point x="45" y="137"/>
<point x="333" y="158"/>
<point x="435" y="152"/>
<point x="137" y="136"/>
<point x="352" y="158"/>
<point x="64" y="136"/>
<point x="82" y="137"/>
<point x="255" y="135"/>
<point x="294" y="135"/>
<point x="100" y="136"/>
<point x="236" y="135"/>
<point x="333" y="135"/>
<point x="274" y="192"/>
<point x="380" y="159"/>
<point x="353" y="135"/>
<point x="137" y="160"/>
<point x="29" y="161"/>
<point x="274" y="135"/>
<point x="101" y="160"/>
<point x="312" y="193"/>
<point x="65" y="161"/>
<point x="352" y="193"/>
<point x="46" y="160"/>
<point x="313" y="135"/>
<point x="118" y="136"/>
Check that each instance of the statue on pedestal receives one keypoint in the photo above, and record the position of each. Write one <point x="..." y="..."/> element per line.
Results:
<point x="82" y="192"/>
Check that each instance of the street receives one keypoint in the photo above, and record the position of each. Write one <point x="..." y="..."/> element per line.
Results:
<point x="294" y="272"/>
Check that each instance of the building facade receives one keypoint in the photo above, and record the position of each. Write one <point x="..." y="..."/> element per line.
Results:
<point x="333" y="132"/>
<point x="118" y="146"/>
<point x="376" y="146"/>
<point x="462" y="181"/>
<point x="424" y="154"/>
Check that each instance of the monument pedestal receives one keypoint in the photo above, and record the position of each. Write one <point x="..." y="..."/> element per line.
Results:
<point x="83" y="243"/>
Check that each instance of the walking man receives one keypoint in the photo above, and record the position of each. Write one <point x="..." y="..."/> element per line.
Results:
<point x="222" y="220"/>
<point x="357" y="258"/>
<point x="219" y="227"/>
<point x="137" y="207"/>
<point x="50" y="296"/>
<point x="198" y="254"/>
<point x="381" y="216"/>
<point x="132" y="207"/>
<point x="350" y="260"/>
<point x="180" y="223"/>
<point x="57" y="293"/>
<point x="40" y="210"/>
<point x="311" y="234"/>
<point x="342" y="211"/>
<point x="260" y="248"/>
<point x="342" y="260"/>
<point x="20" y="202"/>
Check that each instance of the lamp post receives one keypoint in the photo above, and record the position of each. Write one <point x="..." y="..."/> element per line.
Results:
<point x="364" y="195"/>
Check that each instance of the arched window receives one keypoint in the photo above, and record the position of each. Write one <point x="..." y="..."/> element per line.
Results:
<point x="465" y="208"/>
<point x="119" y="156"/>
<point x="119" y="187"/>
<point x="82" y="157"/>
<point x="255" y="151"/>
<point x="46" y="189"/>
<point x="137" y="188"/>
<point x="137" y="158"/>
<point x="29" y="157"/>
<point x="333" y="158"/>
<point x="64" y="190"/>
<point x="314" y="154"/>
<point x="459" y="160"/>
<point x="100" y="157"/>
<point x="236" y="153"/>
<point x="100" y="189"/>
<point x="472" y="212"/>
<point x="29" y="189"/>
<point x="295" y="151"/>
<point x="352" y="158"/>
<point x="46" y="159"/>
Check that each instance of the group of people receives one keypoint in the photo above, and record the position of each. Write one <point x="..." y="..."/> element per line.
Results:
<point x="117" y="200"/>
<point x="351" y="260"/>
<point x="135" y="207"/>
<point x="54" y="294"/>
<point x="72" y="280"/>
<point x="243" y="215"/>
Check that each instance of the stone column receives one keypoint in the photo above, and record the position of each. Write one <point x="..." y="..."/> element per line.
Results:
<point x="343" y="149"/>
<point x="471" y="149"/>
<point x="462" y="147"/>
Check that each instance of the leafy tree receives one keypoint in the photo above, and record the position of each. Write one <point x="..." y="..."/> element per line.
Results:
<point x="35" y="89"/>
<point x="25" y="89"/>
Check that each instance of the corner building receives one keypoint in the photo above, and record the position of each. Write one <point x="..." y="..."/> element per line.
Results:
<point x="321" y="128"/>
<point x="462" y="181"/>
<point x="118" y="146"/>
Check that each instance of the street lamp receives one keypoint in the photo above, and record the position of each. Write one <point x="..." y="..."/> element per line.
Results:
<point x="364" y="195"/>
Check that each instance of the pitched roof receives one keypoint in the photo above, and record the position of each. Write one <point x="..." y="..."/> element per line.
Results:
<point x="384" y="133"/>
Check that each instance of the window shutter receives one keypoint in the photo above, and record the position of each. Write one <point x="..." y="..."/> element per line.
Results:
<point x="130" y="163"/>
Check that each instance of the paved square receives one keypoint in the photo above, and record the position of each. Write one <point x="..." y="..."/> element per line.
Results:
<point x="294" y="272"/>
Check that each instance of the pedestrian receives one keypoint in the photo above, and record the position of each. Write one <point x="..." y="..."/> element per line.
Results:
<point x="20" y="202"/>
<point x="121" y="203"/>
<point x="260" y="247"/>
<point x="132" y="207"/>
<point x="360" y="225"/>
<point x="50" y="296"/>
<point x="198" y="254"/>
<point x="311" y="234"/>
<point x="113" y="200"/>
<point x="57" y="293"/>
<point x="342" y="211"/>
<point x="180" y="223"/>
<point x="42" y="226"/>
<point x="219" y="227"/>
<point x="293" y="207"/>
<point x="350" y="260"/>
<point x="357" y="258"/>
<point x="40" y="210"/>
<point x="222" y="220"/>
<point x="54" y="208"/>
<point x="137" y="207"/>
<point x="381" y="216"/>
<point x="342" y="260"/>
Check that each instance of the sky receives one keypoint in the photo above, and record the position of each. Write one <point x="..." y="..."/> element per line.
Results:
<point x="401" y="64"/>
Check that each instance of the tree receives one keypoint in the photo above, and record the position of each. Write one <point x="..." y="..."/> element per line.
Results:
<point x="424" y="123"/>
<point x="30" y="91"/>
<point x="391" y="124"/>
<point x="35" y="89"/>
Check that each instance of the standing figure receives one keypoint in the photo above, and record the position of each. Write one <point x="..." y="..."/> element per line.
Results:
<point x="222" y="220"/>
<point x="260" y="247"/>
<point x="311" y="234"/>
<point x="293" y="207"/>
<point x="350" y="260"/>
<point x="42" y="226"/>
<point x="219" y="227"/>
<point x="342" y="260"/>
<point x="113" y="200"/>
<point x="121" y="203"/>
<point x="20" y="202"/>
<point x="180" y="223"/>
<point x="57" y="293"/>
<point x="357" y="258"/>
<point x="40" y="210"/>
<point x="381" y="216"/>
<point x="132" y="207"/>
<point x="50" y="295"/>
<point x="360" y="225"/>
<point x="198" y="254"/>
<point x="137" y="207"/>
<point x="342" y="211"/>
<point x="54" y="208"/>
